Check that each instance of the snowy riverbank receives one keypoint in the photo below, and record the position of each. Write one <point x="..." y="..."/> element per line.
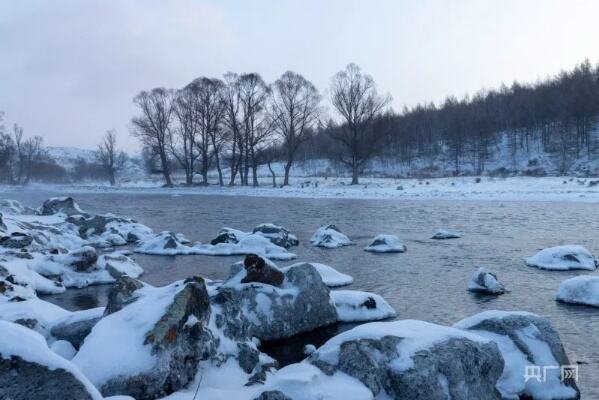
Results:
<point x="463" y="188"/>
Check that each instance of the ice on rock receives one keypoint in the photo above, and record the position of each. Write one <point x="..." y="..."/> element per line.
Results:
<point x="525" y="340"/>
<point x="42" y="374"/>
<point x="330" y="237"/>
<point x="164" y="243"/>
<point x="386" y="244"/>
<point x="485" y="282"/>
<point x="582" y="289"/>
<point x="563" y="258"/>
<point x="414" y="360"/>
<point x="330" y="276"/>
<point x="358" y="306"/>
<point x="443" y="234"/>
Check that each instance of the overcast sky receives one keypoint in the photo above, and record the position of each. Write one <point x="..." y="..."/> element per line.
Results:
<point x="70" y="68"/>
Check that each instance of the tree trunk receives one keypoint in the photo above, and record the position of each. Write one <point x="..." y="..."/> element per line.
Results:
<point x="274" y="177"/>
<point x="287" y="169"/>
<point x="165" y="170"/>
<point x="354" y="174"/>
<point x="220" y="173"/>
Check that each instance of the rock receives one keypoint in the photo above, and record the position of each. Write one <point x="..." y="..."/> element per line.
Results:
<point x="272" y="395"/>
<point x="525" y="340"/>
<point x="276" y="234"/>
<point x="300" y="304"/>
<point x="386" y="244"/>
<point x="80" y="260"/>
<point x="563" y="258"/>
<point x="118" y="264"/>
<point x="105" y="230"/>
<point x="164" y="243"/>
<point x="329" y="237"/>
<point x="2" y="225"/>
<point x="16" y="240"/>
<point x="30" y="370"/>
<point x="161" y="339"/>
<point x="358" y="306"/>
<point x="75" y="327"/>
<point x="443" y="234"/>
<point x="582" y="289"/>
<point x="227" y="235"/>
<point x="257" y="270"/>
<point x="65" y="205"/>
<point x="122" y="293"/>
<point x="330" y="276"/>
<point x="486" y="282"/>
<point x="414" y="360"/>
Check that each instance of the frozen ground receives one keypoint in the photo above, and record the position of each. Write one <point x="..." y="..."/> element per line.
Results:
<point x="462" y="188"/>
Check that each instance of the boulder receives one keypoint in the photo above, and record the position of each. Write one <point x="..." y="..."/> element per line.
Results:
<point x="358" y="306"/>
<point x="485" y="282"/>
<point x="75" y="327"/>
<point x="16" y="240"/>
<point x="414" y="360"/>
<point x="386" y="244"/>
<point x="65" y="205"/>
<point x="122" y="293"/>
<point x="563" y="258"/>
<point x="161" y="339"/>
<point x="118" y="264"/>
<point x="300" y="304"/>
<point x="258" y="270"/>
<point x="272" y="395"/>
<point x="443" y="234"/>
<point x="582" y="289"/>
<point x="526" y="341"/>
<point x="30" y="370"/>
<point x="80" y="260"/>
<point x="276" y="234"/>
<point x="330" y="276"/>
<point x="105" y="230"/>
<point x="227" y="235"/>
<point x="330" y="237"/>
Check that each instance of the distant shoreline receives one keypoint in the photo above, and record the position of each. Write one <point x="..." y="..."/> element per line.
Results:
<point x="566" y="189"/>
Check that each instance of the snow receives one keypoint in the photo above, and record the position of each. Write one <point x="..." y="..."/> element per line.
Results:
<point x="512" y="381"/>
<point x="329" y="237"/>
<point x="115" y="346"/>
<point x="352" y="306"/>
<point x="563" y="258"/>
<point x="64" y="349"/>
<point x="248" y="244"/>
<point x="491" y="284"/>
<point x="330" y="276"/>
<point x="386" y="244"/>
<point x="416" y="336"/>
<point x="445" y="234"/>
<point x="31" y="346"/>
<point x="42" y="311"/>
<point x="582" y="289"/>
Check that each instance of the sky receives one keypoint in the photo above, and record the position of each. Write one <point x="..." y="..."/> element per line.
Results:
<point x="69" y="69"/>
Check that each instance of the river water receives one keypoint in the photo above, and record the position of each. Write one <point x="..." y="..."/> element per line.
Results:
<point x="428" y="282"/>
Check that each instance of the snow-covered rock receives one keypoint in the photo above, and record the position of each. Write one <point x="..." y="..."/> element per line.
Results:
<point x="443" y="234"/>
<point x="414" y="360"/>
<point x="64" y="349"/>
<point x="31" y="370"/>
<point x="152" y="346"/>
<point x="563" y="258"/>
<point x="65" y="205"/>
<point x="330" y="276"/>
<point x="14" y="207"/>
<point x="76" y="326"/>
<point x="118" y="264"/>
<point x="386" y="244"/>
<point x="582" y="289"/>
<point x="34" y="313"/>
<point x="486" y="282"/>
<point x="300" y="304"/>
<point x="247" y="244"/>
<point x="109" y="230"/>
<point x="276" y="234"/>
<point x="330" y="237"/>
<point x="2" y="225"/>
<point x="525" y="340"/>
<point x="164" y="243"/>
<point x="228" y="235"/>
<point x="358" y="306"/>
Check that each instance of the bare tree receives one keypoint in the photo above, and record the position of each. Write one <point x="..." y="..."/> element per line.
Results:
<point x="210" y="111"/>
<point x="257" y="126"/>
<point x="153" y="126"/>
<point x="233" y="123"/>
<point x="355" y="98"/>
<point x="110" y="158"/>
<point x="295" y="112"/>
<point x="32" y="150"/>
<point x="20" y="152"/>
<point x="183" y="145"/>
